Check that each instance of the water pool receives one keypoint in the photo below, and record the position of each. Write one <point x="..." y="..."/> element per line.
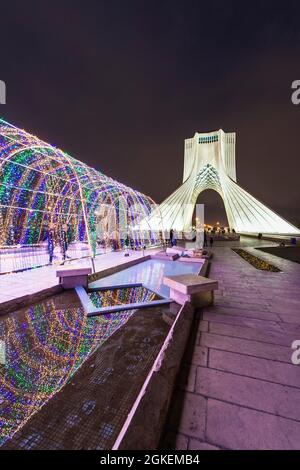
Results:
<point x="48" y="343"/>
<point x="66" y="374"/>
<point x="150" y="273"/>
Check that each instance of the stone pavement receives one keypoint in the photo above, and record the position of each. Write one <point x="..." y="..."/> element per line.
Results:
<point x="238" y="388"/>
<point x="16" y="285"/>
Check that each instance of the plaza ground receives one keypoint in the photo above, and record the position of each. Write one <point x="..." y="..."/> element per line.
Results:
<point x="238" y="388"/>
<point x="31" y="281"/>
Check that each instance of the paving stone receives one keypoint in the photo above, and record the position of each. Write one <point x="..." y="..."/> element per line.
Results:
<point x="273" y="371"/>
<point x="245" y="391"/>
<point x="198" y="356"/>
<point x="235" y="427"/>
<point x="244" y="346"/>
<point x="187" y="379"/>
<point x="188" y="414"/>
<point x="266" y="325"/>
<point x="255" y="333"/>
<point x="290" y="317"/>
<point x="203" y="325"/>
<point x="175" y="441"/>
<point x="242" y="312"/>
<point x="194" y="444"/>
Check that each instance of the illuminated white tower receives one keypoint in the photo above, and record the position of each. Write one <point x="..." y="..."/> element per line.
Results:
<point x="209" y="163"/>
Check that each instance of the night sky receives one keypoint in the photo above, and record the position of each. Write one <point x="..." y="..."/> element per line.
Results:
<point x="121" y="84"/>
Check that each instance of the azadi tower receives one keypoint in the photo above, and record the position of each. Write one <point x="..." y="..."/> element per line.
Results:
<point x="209" y="163"/>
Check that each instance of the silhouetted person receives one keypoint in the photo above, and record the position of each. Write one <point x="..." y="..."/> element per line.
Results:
<point x="205" y="239"/>
<point x="171" y="236"/>
<point x="50" y="241"/>
<point x="174" y="241"/>
<point x="63" y="241"/>
<point x="211" y="242"/>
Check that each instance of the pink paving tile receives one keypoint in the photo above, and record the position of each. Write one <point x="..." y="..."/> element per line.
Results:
<point x="265" y="396"/>
<point x="198" y="356"/>
<point x="258" y="333"/>
<point x="175" y="441"/>
<point x="235" y="427"/>
<point x="266" y="325"/>
<point x="203" y="325"/>
<point x="194" y="444"/>
<point x="244" y="346"/>
<point x="242" y="312"/>
<point x="187" y="379"/>
<point x="278" y="372"/>
<point x="188" y="414"/>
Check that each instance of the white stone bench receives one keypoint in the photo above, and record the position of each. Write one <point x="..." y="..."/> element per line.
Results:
<point x="197" y="290"/>
<point x="191" y="260"/>
<point x="70" y="277"/>
<point x="174" y="251"/>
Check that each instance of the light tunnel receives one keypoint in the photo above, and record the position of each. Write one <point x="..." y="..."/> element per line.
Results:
<point x="43" y="188"/>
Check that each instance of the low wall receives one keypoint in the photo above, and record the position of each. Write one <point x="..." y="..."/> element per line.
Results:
<point x="117" y="268"/>
<point x="145" y="423"/>
<point x="29" y="299"/>
<point x="273" y="238"/>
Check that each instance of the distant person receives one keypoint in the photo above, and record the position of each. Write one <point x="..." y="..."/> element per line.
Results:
<point x="171" y="236"/>
<point x="63" y="241"/>
<point x="50" y="241"/>
<point x="205" y="239"/>
<point x="113" y="240"/>
<point x="174" y="241"/>
<point x="211" y="242"/>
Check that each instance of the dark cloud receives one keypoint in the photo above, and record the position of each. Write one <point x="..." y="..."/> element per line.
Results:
<point x="121" y="84"/>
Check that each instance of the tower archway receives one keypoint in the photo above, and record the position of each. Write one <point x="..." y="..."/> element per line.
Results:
<point x="209" y="163"/>
<point x="214" y="209"/>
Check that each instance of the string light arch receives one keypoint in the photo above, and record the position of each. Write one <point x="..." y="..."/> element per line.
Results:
<point x="41" y="186"/>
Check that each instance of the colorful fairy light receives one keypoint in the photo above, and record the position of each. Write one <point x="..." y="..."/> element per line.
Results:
<point x="42" y="186"/>
<point x="45" y="346"/>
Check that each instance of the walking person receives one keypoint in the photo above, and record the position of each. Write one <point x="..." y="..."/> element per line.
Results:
<point x="205" y="239"/>
<point x="171" y="236"/>
<point x="63" y="242"/>
<point x="174" y="238"/>
<point x="211" y="242"/>
<point x="50" y="241"/>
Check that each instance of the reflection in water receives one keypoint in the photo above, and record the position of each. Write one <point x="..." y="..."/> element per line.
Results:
<point x="150" y="273"/>
<point x="124" y="295"/>
<point x="45" y="345"/>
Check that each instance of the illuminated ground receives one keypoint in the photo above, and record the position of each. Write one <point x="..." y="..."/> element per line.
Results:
<point x="28" y="282"/>
<point x="238" y="388"/>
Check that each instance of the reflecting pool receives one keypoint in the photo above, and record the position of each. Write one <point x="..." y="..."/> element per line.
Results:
<point x="42" y="348"/>
<point x="150" y="273"/>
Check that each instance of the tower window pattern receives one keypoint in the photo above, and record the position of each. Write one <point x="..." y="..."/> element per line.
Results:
<point x="209" y="139"/>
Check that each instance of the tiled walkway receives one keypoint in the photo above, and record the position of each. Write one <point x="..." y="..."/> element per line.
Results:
<point x="238" y="388"/>
<point x="22" y="283"/>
